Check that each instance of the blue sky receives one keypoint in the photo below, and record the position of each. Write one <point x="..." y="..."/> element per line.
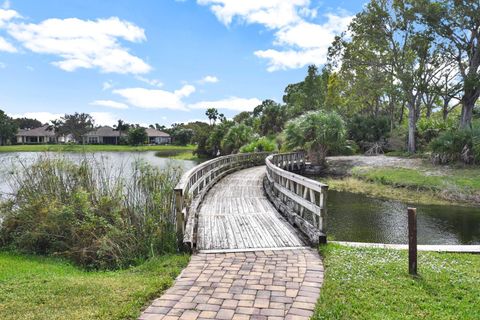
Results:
<point x="150" y="61"/>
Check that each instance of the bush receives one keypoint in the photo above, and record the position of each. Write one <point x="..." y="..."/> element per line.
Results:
<point x="367" y="130"/>
<point x="318" y="132"/>
<point x="430" y="128"/>
<point x="182" y="137"/>
<point x="259" y="145"/>
<point x="349" y="148"/>
<point x="457" y="145"/>
<point x="236" y="137"/>
<point x="137" y="136"/>
<point x="90" y="215"/>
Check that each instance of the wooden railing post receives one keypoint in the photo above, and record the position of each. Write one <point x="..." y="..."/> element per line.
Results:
<point x="179" y="217"/>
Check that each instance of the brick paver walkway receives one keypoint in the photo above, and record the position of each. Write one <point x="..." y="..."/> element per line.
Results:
<point x="270" y="285"/>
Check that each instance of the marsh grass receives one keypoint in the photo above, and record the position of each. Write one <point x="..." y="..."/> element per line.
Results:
<point x="95" y="214"/>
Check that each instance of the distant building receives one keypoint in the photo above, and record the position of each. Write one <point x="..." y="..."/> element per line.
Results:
<point x="103" y="135"/>
<point x="37" y="135"/>
<point x="158" y="137"/>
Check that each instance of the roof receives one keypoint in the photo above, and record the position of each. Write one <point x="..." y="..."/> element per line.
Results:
<point x="156" y="133"/>
<point x="37" y="132"/>
<point x="104" y="131"/>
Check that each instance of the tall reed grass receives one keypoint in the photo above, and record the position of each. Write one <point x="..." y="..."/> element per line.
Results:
<point x="94" y="214"/>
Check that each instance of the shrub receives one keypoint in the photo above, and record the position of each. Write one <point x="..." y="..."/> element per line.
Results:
<point x="182" y="137"/>
<point x="430" y="128"/>
<point x="457" y="145"/>
<point x="236" y="137"/>
<point x="137" y="136"/>
<point x="318" y="132"/>
<point x="89" y="214"/>
<point x="367" y="130"/>
<point x="259" y="145"/>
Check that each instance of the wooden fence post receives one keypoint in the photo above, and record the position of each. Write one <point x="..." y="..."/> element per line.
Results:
<point x="412" y="241"/>
<point x="179" y="218"/>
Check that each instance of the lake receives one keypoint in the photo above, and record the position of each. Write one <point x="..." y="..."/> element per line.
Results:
<point x="114" y="160"/>
<point x="350" y="217"/>
<point x="356" y="217"/>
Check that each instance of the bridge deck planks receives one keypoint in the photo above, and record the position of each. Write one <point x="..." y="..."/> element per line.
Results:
<point x="235" y="214"/>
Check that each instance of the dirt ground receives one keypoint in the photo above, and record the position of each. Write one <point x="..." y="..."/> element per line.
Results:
<point x="342" y="165"/>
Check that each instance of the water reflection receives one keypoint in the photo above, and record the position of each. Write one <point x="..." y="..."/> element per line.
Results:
<point x="115" y="161"/>
<point x="355" y="217"/>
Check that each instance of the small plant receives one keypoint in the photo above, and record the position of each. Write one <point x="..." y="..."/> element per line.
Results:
<point x="259" y="145"/>
<point x="457" y="145"/>
<point x="318" y="132"/>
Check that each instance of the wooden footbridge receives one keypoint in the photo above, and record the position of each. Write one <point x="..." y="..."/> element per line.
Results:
<point x="247" y="217"/>
<point x="250" y="201"/>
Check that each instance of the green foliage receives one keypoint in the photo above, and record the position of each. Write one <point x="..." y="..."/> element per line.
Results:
<point x="259" y="145"/>
<point x="182" y="137"/>
<point x="45" y="288"/>
<point x="8" y="129"/>
<point x="77" y="124"/>
<point x="457" y="145"/>
<point x="272" y="118"/>
<point x="430" y="128"/>
<point x="90" y="214"/>
<point x="216" y="135"/>
<point x="365" y="130"/>
<point x="318" y="132"/>
<point x="137" y="136"/>
<point x="27" y="123"/>
<point x="309" y="94"/>
<point x="236" y="137"/>
<point x="363" y="283"/>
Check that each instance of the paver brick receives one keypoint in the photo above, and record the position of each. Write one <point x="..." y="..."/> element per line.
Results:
<point x="269" y="285"/>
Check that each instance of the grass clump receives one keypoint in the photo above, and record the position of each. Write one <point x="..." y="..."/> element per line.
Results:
<point x="42" y="288"/>
<point x="363" y="283"/>
<point x="90" y="214"/>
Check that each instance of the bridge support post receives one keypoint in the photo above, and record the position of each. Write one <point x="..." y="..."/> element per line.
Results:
<point x="179" y="218"/>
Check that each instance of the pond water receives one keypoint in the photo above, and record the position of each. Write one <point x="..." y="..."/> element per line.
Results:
<point x="356" y="217"/>
<point x="10" y="161"/>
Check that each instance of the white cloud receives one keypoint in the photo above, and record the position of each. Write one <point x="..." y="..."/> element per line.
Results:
<point x="43" y="117"/>
<point x="107" y="85"/>
<point x="156" y="98"/>
<point x="299" y="41"/>
<point x="6" y="46"/>
<point x="109" y="104"/>
<point x="104" y="118"/>
<point x="84" y="43"/>
<point x="271" y="13"/>
<point x="6" y="15"/>
<point x="209" y="79"/>
<point x="152" y="82"/>
<point x="100" y="118"/>
<point x="232" y="103"/>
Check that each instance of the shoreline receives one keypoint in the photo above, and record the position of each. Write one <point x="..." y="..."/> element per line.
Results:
<point x="404" y="179"/>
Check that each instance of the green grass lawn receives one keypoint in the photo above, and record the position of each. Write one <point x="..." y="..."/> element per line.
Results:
<point x="424" y="179"/>
<point x="363" y="283"/>
<point x="93" y="148"/>
<point x="46" y="288"/>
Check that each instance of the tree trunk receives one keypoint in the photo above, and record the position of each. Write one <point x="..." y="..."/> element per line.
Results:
<point x="468" y="103"/>
<point x="446" y="102"/>
<point x="412" y="121"/>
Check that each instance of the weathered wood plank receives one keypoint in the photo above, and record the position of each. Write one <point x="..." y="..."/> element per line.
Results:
<point x="237" y="211"/>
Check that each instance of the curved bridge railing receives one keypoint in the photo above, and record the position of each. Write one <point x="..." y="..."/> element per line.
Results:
<point x="195" y="183"/>
<point x="301" y="200"/>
